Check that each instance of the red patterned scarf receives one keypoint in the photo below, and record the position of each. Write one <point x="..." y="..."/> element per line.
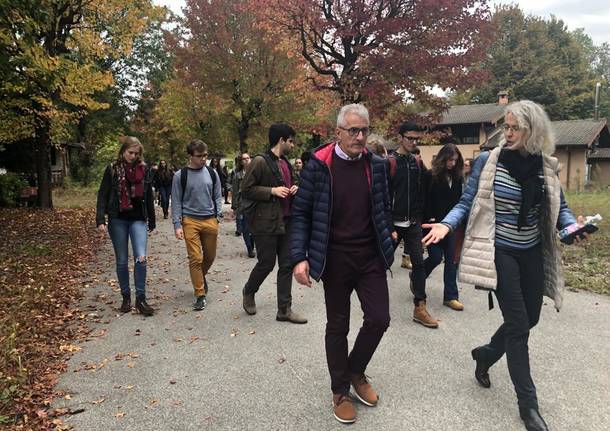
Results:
<point x="131" y="183"/>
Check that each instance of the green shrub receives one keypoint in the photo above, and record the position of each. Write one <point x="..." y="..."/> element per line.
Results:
<point x="10" y="189"/>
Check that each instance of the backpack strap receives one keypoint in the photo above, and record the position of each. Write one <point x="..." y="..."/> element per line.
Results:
<point x="274" y="169"/>
<point x="213" y="175"/>
<point x="184" y="173"/>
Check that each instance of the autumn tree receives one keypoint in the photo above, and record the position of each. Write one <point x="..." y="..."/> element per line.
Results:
<point x="380" y="52"/>
<point x="540" y="60"/>
<point x="52" y="56"/>
<point x="240" y="72"/>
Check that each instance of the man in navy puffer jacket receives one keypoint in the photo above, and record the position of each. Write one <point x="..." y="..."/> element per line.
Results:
<point x="342" y="234"/>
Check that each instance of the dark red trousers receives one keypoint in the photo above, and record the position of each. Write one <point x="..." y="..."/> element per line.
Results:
<point x="361" y="270"/>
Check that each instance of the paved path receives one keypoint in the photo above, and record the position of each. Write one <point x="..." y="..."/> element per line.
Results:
<point x="223" y="370"/>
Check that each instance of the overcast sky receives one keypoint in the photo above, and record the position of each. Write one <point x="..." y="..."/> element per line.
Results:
<point x="592" y="15"/>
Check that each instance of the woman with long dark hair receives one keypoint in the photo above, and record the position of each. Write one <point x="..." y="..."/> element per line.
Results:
<point x="126" y="196"/>
<point x="442" y="185"/>
<point x="513" y="206"/>
<point x="164" y="177"/>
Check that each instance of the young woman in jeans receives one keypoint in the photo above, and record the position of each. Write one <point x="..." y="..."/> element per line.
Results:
<point x="442" y="186"/>
<point x="126" y="196"/>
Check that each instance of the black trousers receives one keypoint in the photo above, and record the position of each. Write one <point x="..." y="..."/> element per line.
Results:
<point x="363" y="271"/>
<point x="268" y="247"/>
<point x="519" y="293"/>
<point x="412" y="237"/>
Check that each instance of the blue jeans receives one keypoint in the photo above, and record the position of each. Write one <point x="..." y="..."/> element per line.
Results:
<point x="242" y="226"/>
<point x="445" y="248"/>
<point x="165" y="192"/>
<point x="120" y="231"/>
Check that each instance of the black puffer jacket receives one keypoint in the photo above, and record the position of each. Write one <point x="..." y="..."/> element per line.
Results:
<point x="312" y="210"/>
<point x="108" y="198"/>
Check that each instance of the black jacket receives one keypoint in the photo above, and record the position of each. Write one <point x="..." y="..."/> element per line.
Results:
<point x="406" y="188"/>
<point x="108" y="198"/>
<point x="440" y="198"/>
<point x="312" y="210"/>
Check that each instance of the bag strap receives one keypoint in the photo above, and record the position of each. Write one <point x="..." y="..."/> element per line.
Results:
<point x="213" y="175"/>
<point x="275" y="170"/>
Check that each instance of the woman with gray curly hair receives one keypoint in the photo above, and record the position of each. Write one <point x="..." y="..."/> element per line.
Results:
<point x="513" y="205"/>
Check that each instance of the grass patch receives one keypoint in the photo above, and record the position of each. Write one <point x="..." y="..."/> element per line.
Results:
<point x="587" y="266"/>
<point x="75" y="196"/>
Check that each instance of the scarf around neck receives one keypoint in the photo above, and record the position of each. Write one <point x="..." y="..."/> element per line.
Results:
<point x="131" y="183"/>
<point x="524" y="169"/>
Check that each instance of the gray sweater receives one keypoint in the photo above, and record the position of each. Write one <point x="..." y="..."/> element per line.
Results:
<point x="196" y="201"/>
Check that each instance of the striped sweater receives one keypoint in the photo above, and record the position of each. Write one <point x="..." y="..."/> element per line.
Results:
<point x="507" y="193"/>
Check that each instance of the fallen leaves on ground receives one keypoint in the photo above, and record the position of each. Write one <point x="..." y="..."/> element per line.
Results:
<point x="46" y="256"/>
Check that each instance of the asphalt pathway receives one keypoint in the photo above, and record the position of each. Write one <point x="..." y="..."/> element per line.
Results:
<point x="221" y="369"/>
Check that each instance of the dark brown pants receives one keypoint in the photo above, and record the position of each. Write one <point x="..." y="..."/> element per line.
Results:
<point x="364" y="272"/>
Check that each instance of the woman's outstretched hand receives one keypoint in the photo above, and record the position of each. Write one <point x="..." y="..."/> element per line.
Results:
<point x="437" y="232"/>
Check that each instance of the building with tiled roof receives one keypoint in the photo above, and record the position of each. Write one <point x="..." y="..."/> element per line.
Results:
<point x="582" y="146"/>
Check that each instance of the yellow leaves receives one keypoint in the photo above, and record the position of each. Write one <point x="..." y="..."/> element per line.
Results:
<point x="69" y="348"/>
<point x="81" y="82"/>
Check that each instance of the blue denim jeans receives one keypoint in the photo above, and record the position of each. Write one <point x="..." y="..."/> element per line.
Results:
<point x="165" y="192"/>
<point x="120" y="232"/>
<point x="242" y="226"/>
<point x="436" y="252"/>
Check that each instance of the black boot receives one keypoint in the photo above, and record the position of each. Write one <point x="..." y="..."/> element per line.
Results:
<point x="532" y="419"/>
<point x="126" y="304"/>
<point x="143" y="307"/>
<point x="481" y="371"/>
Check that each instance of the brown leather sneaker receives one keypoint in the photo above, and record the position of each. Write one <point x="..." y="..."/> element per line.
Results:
<point x="343" y="409"/>
<point x="285" y="314"/>
<point x="421" y="315"/>
<point x="454" y="304"/>
<point x="363" y="390"/>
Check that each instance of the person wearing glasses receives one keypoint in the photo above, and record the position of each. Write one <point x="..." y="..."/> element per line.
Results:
<point x="267" y="191"/>
<point x="196" y="211"/>
<point x="241" y="226"/>
<point x="513" y="205"/>
<point x="407" y="212"/>
<point x="342" y="234"/>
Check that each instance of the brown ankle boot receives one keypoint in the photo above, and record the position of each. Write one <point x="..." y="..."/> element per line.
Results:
<point x="406" y="262"/>
<point x="363" y="390"/>
<point x="285" y="314"/>
<point x="249" y="303"/>
<point x="343" y="409"/>
<point x="421" y="315"/>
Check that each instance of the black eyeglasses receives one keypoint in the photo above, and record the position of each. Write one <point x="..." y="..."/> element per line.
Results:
<point x="355" y="131"/>
<point x="412" y="139"/>
<point x="200" y="156"/>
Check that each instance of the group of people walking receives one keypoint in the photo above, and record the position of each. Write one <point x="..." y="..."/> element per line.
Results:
<point x="341" y="219"/>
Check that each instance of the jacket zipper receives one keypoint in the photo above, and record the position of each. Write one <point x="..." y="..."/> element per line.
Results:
<point x="408" y="188"/>
<point x="373" y="220"/>
<point x="330" y="215"/>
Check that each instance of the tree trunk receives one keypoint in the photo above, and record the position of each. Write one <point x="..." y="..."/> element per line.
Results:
<point x="242" y="131"/>
<point x="42" y="155"/>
